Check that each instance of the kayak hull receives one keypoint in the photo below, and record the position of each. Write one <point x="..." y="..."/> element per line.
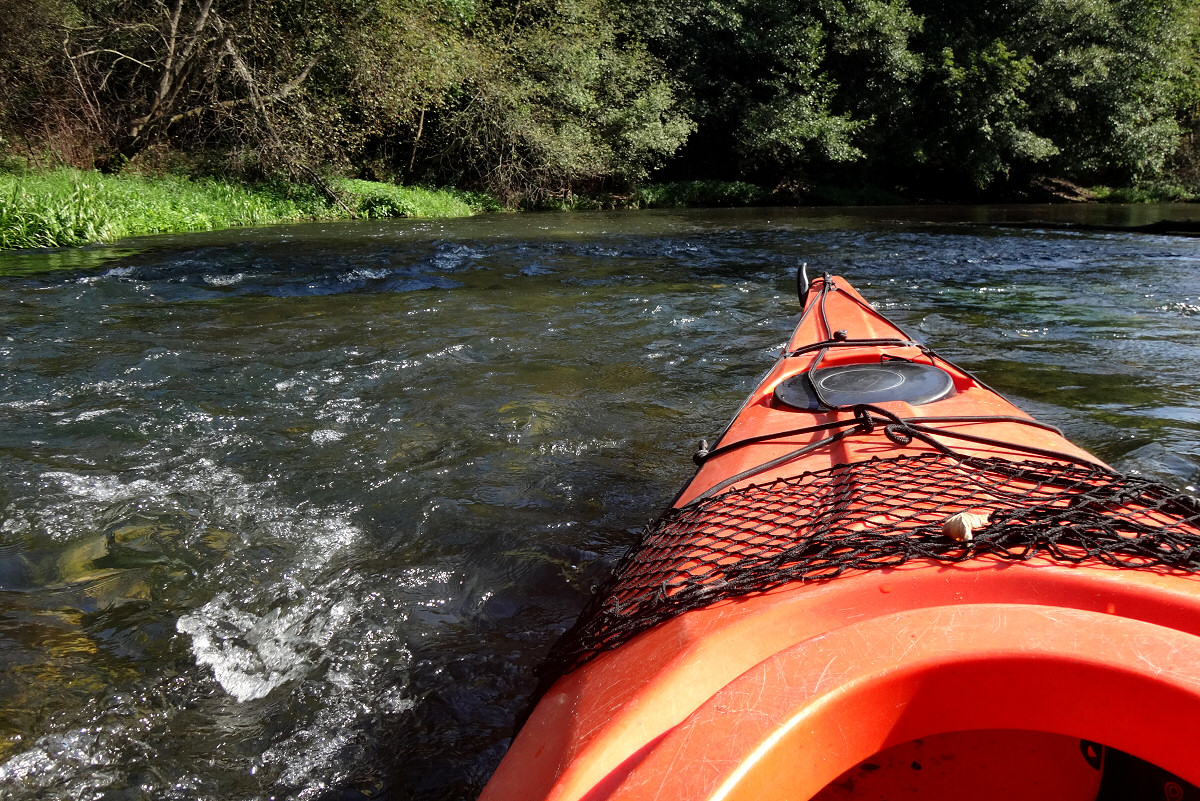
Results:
<point x="603" y="730"/>
<point x="986" y="667"/>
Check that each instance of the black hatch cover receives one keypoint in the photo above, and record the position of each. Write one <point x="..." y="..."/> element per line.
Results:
<point x="851" y="384"/>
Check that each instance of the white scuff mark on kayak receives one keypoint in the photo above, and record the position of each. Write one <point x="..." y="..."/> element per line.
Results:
<point x="820" y="682"/>
<point x="735" y="777"/>
<point x="1154" y="666"/>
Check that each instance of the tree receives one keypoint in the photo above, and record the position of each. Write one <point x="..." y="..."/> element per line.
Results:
<point x="558" y="98"/>
<point x="979" y="116"/>
<point x="954" y="96"/>
<point x="153" y="66"/>
<point x="1089" y="89"/>
<point x="788" y="87"/>
<point x="532" y="98"/>
<point x="37" y="102"/>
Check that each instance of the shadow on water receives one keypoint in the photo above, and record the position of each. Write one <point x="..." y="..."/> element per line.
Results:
<point x="296" y="512"/>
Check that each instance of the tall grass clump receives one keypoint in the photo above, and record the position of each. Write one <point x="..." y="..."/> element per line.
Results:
<point x="65" y="207"/>
<point x="375" y="200"/>
<point x="1147" y="192"/>
<point x="66" y="216"/>
<point x="60" y="208"/>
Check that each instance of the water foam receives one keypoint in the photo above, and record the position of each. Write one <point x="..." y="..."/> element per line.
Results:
<point x="250" y="655"/>
<point x="224" y="280"/>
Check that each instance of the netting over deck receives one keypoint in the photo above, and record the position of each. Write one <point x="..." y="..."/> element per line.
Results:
<point x="877" y="514"/>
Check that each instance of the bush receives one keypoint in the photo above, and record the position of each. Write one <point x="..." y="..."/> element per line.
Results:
<point x="698" y="194"/>
<point x="375" y="200"/>
<point x="1156" y="192"/>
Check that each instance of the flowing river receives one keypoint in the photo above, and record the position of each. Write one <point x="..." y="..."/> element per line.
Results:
<point x="294" y="513"/>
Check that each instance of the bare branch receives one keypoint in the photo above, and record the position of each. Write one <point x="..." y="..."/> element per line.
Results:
<point x="164" y="82"/>
<point x="120" y="56"/>
<point x="93" y="109"/>
<point x="197" y="29"/>
<point x="176" y="63"/>
<point x="111" y="26"/>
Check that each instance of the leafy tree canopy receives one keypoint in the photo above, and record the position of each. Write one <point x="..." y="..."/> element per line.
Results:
<point x="536" y="98"/>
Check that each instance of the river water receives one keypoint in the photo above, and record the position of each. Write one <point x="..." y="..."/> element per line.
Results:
<point x="294" y="513"/>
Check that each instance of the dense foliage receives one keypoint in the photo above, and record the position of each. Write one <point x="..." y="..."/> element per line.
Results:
<point x="543" y="99"/>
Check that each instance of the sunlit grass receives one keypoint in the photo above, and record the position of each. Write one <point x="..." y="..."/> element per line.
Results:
<point x="1147" y="192"/>
<point x="377" y="200"/>
<point x="62" y="208"/>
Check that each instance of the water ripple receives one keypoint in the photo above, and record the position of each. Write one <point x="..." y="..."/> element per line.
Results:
<point x="295" y="513"/>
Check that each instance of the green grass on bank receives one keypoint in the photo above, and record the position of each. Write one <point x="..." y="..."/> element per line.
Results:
<point x="377" y="201"/>
<point x="65" y="207"/>
<point x="1157" y="192"/>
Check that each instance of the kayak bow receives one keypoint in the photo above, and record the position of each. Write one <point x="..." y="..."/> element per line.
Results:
<point x="883" y="579"/>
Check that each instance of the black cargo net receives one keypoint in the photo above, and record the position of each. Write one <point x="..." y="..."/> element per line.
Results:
<point x="879" y="514"/>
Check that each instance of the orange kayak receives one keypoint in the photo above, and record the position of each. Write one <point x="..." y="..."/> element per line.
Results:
<point x="884" y="580"/>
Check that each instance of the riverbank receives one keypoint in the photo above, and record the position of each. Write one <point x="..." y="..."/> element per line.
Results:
<point x="68" y="207"/>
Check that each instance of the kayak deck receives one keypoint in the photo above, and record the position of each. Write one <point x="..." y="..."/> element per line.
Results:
<point x="723" y="660"/>
<point x="839" y="329"/>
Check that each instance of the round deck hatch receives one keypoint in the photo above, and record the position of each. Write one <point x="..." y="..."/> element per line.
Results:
<point x="850" y="384"/>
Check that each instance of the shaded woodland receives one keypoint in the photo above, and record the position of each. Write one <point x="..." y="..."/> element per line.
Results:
<point x="529" y="99"/>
